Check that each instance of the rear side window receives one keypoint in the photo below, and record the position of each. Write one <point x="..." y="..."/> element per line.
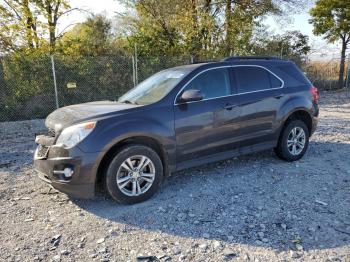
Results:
<point x="212" y="83"/>
<point x="275" y="82"/>
<point x="251" y="79"/>
<point x="292" y="75"/>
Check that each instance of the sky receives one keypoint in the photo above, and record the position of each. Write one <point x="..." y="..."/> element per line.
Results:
<point x="321" y="50"/>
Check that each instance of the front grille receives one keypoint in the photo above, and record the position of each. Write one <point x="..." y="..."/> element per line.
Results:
<point x="42" y="151"/>
<point x="44" y="141"/>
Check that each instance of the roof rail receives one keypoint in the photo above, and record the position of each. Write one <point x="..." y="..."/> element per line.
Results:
<point x="233" y="58"/>
<point x="202" y="62"/>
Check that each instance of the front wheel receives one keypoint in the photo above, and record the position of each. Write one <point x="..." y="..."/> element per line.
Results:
<point x="134" y="174"/>
<point x="293" y="142"/>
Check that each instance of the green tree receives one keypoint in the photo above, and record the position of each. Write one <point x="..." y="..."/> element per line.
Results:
<point x="241" y="17"/>
<point x="52" y="11"/>
<point x="27" y="23"/>
<point x="203" y="29"/>
<point x="331" y="18"/>
<point x="154" y="27"/>
<point x="18" y="25"/>
<point x="91" y="38"/>
<point x="292" y="45"/>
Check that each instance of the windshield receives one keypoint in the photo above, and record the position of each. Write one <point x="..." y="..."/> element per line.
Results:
<point x="154" y="88"/>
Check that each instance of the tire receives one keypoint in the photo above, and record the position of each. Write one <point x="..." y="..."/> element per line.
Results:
<point x="285" y="148"/>
<point x="126" y="183"/>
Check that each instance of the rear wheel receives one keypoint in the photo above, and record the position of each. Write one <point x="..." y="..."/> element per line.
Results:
<point x="134" y="174"/>
<point x="293" y="142"/>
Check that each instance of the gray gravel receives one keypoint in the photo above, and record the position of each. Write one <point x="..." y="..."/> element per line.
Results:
<point x="250" y="208"/>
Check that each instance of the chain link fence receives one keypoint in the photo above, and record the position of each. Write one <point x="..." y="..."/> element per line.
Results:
<point x="26" y="88"/>
<point x="32" y="87"/>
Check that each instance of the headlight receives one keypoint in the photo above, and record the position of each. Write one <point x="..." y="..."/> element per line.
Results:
<point x="72" y="135"/>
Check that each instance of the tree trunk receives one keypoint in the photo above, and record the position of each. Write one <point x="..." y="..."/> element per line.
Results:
<point x="29" y="21"/>
<point x="342" y="64"/>
<point x="228" y="19"/>
<point x="36" y="37"/>
<point x="52" y="37"/>
<point x="205" y="32"/>
<point x="52" y="25"/>
<point x="195" y="43"/>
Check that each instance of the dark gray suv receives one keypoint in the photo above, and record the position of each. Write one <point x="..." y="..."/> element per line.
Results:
<point x="176" y="119"/>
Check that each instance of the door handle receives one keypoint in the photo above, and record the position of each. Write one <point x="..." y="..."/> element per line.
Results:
<point x="279" y="96"/>
<point x="229" y="106"/>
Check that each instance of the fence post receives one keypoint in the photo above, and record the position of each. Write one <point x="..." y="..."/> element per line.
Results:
<point x="136" y="67"/>
<point x="133" y="70"/>
<point x="54" y="80"/>
<point x="2" y="80"/>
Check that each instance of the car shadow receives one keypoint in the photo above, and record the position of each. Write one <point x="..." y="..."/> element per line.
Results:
<point x="255" y="199"/>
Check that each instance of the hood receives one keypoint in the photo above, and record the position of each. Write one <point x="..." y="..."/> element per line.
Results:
<point x="69" y="115"/>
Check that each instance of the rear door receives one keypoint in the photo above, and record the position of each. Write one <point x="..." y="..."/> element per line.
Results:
<point x="260" y="94"/>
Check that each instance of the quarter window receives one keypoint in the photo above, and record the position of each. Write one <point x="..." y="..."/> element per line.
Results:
<point x="252" y="79"/>
<point x="275" y="82"/>
<point x="212" y="83"/>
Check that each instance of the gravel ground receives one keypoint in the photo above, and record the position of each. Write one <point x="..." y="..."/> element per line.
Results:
<point x="250" y="208"/>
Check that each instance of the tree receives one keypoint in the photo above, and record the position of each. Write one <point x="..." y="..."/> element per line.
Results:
<point x="154" y="28"/>
<point x="241" y="17"/>
<point x="18" y="25"/>
<point x="202" y="29"/>
<point x="91" y="38"/>
<point x="26" y="23"/>
<point x="52" y="10"/>
<point x="331" y="18"/>
<point x="292" y="45"/>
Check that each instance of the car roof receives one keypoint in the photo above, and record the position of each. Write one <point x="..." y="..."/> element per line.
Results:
<point x="250" y="61"/>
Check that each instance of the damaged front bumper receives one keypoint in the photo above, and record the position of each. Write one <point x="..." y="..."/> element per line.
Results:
<point x="70" y="171"/>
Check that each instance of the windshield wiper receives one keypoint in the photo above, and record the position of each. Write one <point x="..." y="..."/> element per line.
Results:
<point x="129" y="102"/>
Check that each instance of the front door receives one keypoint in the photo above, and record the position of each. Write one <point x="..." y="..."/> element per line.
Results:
<point x="203" y="127"/>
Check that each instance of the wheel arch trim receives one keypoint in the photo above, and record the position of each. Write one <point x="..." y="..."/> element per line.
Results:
<point x="129" y="139"/>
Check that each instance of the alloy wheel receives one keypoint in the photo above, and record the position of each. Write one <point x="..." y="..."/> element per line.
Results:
<point x="136" y="175"/>
<point x="296" y="141"/>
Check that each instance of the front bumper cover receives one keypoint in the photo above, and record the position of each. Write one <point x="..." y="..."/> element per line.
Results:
<point x="84" y="165"/>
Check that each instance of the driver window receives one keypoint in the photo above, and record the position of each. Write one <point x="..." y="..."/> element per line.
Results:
<point x="212" y="83"/>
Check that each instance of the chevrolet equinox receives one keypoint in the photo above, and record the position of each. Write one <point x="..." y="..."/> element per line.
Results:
<point x="178" y="118"/>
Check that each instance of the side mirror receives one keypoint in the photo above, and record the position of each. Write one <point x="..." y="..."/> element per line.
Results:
<point x="191" y="95"/>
